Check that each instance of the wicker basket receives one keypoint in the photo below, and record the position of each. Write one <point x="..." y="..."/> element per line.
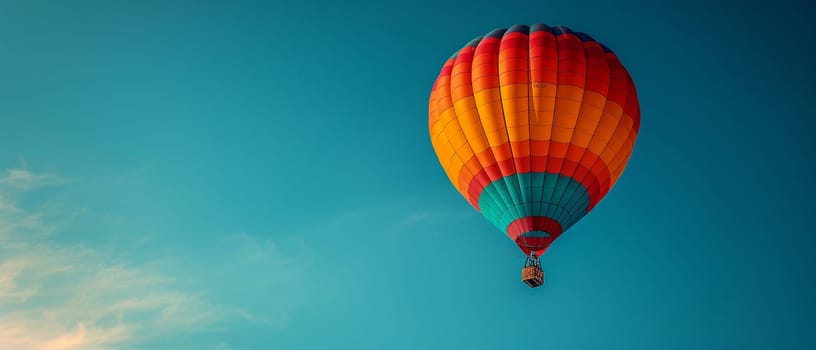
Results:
<point x="532" y="276"/>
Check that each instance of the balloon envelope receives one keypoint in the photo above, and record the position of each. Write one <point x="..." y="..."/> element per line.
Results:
<point x="533" y="126"/>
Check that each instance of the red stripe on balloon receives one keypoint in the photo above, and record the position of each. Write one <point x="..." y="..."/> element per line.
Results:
<point x="596" y="180"/>
<point x="534" y="223"/>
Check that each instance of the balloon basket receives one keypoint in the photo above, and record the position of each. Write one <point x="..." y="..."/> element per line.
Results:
<point x="531" y="273"/>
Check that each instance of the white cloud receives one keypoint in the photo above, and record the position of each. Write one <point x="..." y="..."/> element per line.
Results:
<point x="69" y="297"/>
<point x="16" y="223"/>
<point x="23" y="180"/>
<point x="56" y="298"/>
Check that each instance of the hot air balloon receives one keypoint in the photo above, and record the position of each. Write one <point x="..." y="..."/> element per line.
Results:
<point x="533" y="126"/>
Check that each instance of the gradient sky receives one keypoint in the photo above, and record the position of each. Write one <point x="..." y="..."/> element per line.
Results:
<point x="258" y="175"/>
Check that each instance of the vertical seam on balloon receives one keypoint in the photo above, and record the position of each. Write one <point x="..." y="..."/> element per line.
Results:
<point x="552" y="127"/>
<point x="617" y="127"/>
<point x="622" y="166"/>
<point x="490" y="148"/>
<point x="481" y="166"/>
<point x="597" y="126"/>
<point x="434" y="113"/>
<point x="479" y="118"/>
<point x="629" y="91"/>
<point x="600" y="154"/>
<point x="518" y="207"/>
<point x="594" y="131"/>
<point x="558" y="180"/>
<point x="570" y="144"/>
<point x="529" y="126"/>
<point x="561" y="207"/>
<point x="565" y="31"/>
<point x="459" y="125"/>
<point x="455" y="153"/>
<point x="506" y="132"/>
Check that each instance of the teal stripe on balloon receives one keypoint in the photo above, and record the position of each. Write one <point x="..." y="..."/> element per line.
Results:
<point x="553" y="195"/>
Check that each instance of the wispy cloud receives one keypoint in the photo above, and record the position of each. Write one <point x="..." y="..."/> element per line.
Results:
<point x="16" y="180"/>
<point x="14" y="221"/>
<point x="57" y="296"/>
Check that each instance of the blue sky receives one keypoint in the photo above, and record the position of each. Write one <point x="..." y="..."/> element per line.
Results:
<point x="258" y="175"/>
